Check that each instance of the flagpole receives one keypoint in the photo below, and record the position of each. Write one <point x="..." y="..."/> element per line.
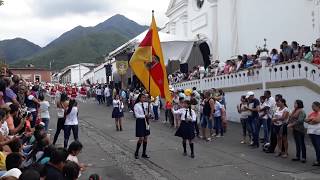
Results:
<point x="149" y="88"/>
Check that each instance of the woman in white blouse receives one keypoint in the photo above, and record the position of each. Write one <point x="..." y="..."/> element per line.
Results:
<point x="280" y="122"/>
<point x="71" y="122"/>
<point x="186" y="128"/>
<point x="141" y="111"/>
<point x="117" y="112"/>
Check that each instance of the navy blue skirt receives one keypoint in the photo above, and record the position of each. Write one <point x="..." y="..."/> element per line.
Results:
<point x="141" y="130"/>
<point x="116" y="113"/>
<point x="186" y="130"/>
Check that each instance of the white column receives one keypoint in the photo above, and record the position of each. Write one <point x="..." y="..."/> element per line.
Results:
<point x="202" y="71"/>
<point x="234" y="27"/>
<point x="215" y="35"/>
<point x="263" y="73"/>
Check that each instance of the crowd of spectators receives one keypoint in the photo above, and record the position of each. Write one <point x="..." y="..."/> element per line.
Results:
<point x="287" y="53"/>
<point x="26" y="151"/>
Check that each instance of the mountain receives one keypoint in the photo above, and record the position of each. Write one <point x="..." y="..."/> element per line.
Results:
<point x="85" y="44"/>
<point x="13" y="49"/>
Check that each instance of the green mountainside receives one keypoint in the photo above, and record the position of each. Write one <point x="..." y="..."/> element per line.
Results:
<point x="83" y="44"/>
<point x="14" y="49"/>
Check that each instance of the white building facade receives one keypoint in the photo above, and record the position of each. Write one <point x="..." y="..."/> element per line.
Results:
<point x="73" y="74"/>
<point x="233" y="27"/>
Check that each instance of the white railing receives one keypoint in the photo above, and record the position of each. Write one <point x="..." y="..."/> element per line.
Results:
<point x="281" y="72"/>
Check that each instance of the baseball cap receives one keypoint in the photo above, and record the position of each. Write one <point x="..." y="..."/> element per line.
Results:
<point x="15" y="172"/>
<point x="250" y="93"/>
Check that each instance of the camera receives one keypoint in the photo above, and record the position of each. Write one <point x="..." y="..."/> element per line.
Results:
<point x="26" y="114"/>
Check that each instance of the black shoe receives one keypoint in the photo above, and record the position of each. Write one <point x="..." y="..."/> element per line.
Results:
<point x="136" y="155"/>
<point x="145" y="156"/>
<point x="303" y="160"/>
<point x="185" y="154"/>
<point x="192" y="155"/>
<point x="295" y="159"/>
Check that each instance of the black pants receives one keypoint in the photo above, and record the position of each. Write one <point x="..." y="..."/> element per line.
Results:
<point x="273" y="139"/>
<point x="169" y="116"/>
<point x="60" y="126"/>
<point x="103" y="99"/>
<point x="99" y="98"/>
<point x="196" y="127"/>
<point x="67" y="132"/>
<point x="300" y="145"/>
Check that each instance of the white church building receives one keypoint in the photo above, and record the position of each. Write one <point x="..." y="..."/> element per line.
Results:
<point x="233" y="27"/>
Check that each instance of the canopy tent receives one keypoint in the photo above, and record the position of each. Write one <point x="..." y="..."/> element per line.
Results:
<point x="173" y="47"/>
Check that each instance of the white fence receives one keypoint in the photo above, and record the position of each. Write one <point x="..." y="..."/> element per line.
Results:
<point x="282" y="72"/>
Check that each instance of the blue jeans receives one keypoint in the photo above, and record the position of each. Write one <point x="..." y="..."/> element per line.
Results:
<point x="67" y="132"/>
<point x="206" y="122"/>
<point x="218" y="125"/>
<point x="300" y="144"/>
<point x="46" y="122"/>
<point x="263" y="122"/>
<point x="252" y="121"/>
<point x="155" y="112"/>
<point x="315" y="139"/>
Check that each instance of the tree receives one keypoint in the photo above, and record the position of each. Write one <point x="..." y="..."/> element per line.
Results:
<point x="1" y="2"/>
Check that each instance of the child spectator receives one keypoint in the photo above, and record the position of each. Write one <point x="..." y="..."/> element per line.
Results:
<point x="74" y="150"/>
<point x="44" y="111"/>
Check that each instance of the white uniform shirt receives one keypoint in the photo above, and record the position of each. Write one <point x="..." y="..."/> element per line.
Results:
<point x="118" y="104"/>
<point x="98" y="92"/>
<point x="138" y="111"/>
<point x="72" y="117"/>
<point x="271" y="103"/>
<point x="156" y="101"/>
<point x="44" y="109"/>
<point x="185" y="114"/>
<point x="107" y="92"/>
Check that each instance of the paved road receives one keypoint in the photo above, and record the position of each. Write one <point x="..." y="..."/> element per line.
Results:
<point x="110" y="153"/>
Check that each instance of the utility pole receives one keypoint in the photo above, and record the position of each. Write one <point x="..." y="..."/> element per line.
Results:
<point x="50" y="63"/>
<point x="79" y="74"/>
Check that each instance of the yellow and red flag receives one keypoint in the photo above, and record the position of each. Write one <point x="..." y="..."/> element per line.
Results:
<point x="147" y="61"/>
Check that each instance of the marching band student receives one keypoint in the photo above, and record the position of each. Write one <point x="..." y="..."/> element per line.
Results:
<point x="117" y="112"/>
<point x="74" y="92"/>
<point x="83" y="93"/>
<point x="142" y="124"/>
<point x="53" y="95"/>
<point x="186" y="128"/>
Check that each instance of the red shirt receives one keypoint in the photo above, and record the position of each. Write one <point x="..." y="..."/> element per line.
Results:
<point x="168" y="105"/>
<point x="316" y="60"/>
<point x="83" y="91"/>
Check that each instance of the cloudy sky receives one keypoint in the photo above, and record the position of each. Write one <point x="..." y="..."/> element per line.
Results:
<point x="41" y="21"/>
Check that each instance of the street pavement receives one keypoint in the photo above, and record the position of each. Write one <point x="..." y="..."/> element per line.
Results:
<point x="110" y="153"/>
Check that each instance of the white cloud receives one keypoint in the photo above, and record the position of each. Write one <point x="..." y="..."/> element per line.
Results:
<point x="58" y="8"/>
<point x="45" y="21"/>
